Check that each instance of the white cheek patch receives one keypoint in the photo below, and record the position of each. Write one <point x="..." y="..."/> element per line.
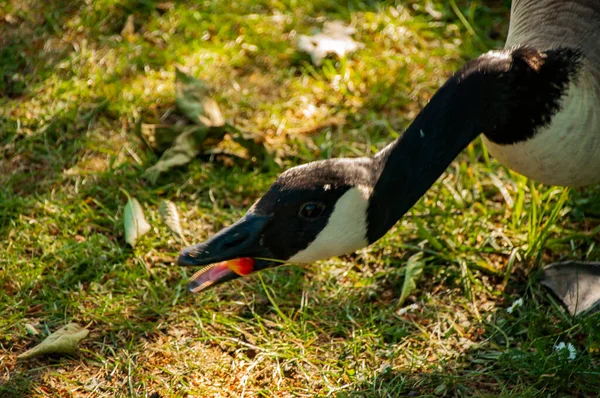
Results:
<point x="346" y="230"/>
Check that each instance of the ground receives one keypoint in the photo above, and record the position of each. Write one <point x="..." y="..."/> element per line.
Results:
<point x="74" y="85"/>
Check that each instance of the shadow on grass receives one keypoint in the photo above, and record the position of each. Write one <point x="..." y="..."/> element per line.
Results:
<point x="506" y="355"/>
<point x="30" y="47"/>
<point x="37" y="37"/>
<point x="526" y="365"/>
<point x="35" y="163"/>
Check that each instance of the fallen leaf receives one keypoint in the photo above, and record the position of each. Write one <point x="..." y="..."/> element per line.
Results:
<point x="128" y="30"/>
<point x="185" y="148"/>
<point x="170" y="216"/>
<point x="135" y="221"/>
<point x="255" y="147"/>
<point x="31" y="329"/>
<point x="12" y="19"/>
<point x="63" y="341"/>
<point x="414" y="268"/>
<point x="195" y="102"/>
<point x="165" y="6"/>
<point x="334" y="39"/>
<point x="159" y="137"/>
<point x="190" y="143"/>
<point x="575" y="284"/>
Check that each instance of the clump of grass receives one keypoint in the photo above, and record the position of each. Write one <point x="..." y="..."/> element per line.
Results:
<point x="74" y="89"/>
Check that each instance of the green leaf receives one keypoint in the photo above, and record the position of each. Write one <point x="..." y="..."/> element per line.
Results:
<point x="195" y="102"/>
<point x="64" y="341"/>
<point x="425" y="234"/>
<point x="135" y="221"/>
<point x="159" y="137"/>
<point x="414" y="268"/>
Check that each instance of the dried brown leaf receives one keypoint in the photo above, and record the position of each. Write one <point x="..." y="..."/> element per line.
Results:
<point x="170" y="216"/>
<point x="334" y="39"/>
<point x="128" y="30"/>
<point x="64" y="341"/>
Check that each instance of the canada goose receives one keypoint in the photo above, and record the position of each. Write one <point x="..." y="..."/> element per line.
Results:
<point x="537" y="102"/>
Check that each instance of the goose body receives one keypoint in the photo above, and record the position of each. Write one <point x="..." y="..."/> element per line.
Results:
<point x="537" y="103"/>
<point x="565" y="152"/>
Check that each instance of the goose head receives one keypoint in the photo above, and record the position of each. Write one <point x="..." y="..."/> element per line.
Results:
<point x="311" y="212"/>
<point x="333" y="207"/>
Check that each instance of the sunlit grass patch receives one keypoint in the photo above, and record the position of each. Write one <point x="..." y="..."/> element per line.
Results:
<point x="74" y="88"/>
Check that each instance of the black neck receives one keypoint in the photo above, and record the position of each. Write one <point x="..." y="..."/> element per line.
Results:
<point x="501" y="94"/>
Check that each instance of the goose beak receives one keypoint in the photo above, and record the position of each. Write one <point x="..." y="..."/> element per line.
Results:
<point x="233" y="252"/>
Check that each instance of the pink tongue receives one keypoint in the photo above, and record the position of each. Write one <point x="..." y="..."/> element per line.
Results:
<point x="218" y="270"/>
<point x="202" y="280"/>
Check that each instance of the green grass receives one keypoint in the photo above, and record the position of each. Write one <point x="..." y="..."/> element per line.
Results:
<point x="72" y="90"/>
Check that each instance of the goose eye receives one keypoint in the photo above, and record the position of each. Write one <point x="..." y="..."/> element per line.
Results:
<point x="311" y="210"/>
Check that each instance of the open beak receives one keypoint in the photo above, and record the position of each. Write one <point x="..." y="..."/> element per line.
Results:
<point x="231" y="253"/>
